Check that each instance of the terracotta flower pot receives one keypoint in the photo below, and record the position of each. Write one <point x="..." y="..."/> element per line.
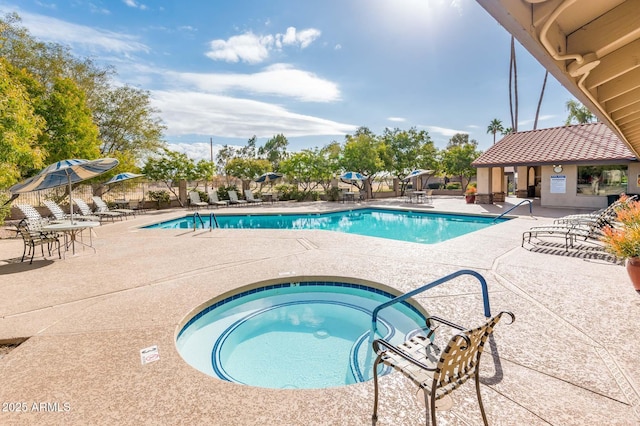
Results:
<point x="471" y="199"/>
<point x="633" y="269"/>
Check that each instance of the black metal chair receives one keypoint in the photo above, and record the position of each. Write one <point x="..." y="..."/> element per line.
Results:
<point x="33" y="238"/>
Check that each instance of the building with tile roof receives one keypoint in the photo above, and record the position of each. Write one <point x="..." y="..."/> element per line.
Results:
<point x="571" y="166"/>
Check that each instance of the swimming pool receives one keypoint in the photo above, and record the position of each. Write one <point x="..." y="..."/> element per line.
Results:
<point x="300" y="335"/>
<point x="418" y="227"/>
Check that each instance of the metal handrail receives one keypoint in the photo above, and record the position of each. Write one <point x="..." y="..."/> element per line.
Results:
<point x="401" y="298"/>
<point x="517" y="205"/>
<point x="212" y="219"/>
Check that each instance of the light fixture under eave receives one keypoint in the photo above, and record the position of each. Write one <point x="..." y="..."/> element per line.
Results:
<point x="557" y="169"/>
<point x="588" y="63"/>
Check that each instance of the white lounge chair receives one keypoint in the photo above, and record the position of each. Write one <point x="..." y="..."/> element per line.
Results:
<point x="60" y="214"/>
<point x="86" y="210"/>
<point x="101" y="206"/>
<point x="233" y="198"/>
<point x="214" y="201"/>
<point x="248" y="194"/>
<point x="195" y="201"/>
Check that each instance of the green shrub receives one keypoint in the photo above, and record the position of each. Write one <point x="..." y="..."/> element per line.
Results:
<point x="5" y="210"/>
<point x="333" y="194"/>
<point x="161" y="197"/>
<point x="223" y="191"/>
<point x="287" y="192"/>
<point x="434" y="185"/>
<point x="454" y="185"/>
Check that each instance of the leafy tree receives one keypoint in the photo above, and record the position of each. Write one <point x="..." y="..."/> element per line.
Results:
<point x="274" y="150"/>
<point x="302" y="169"/>
<point x="70" y="131"/>
<point x="19" y="130"/>
<point x="578" y="113"/>
<point x="170" y="168"/>
<point x="204" y="171"/>
<point x="494" y="127"/>
<point x="457" y="158"/>
<point x="127" y="122"/>
<point x="246" y="169"/>
<point x="408" y="150"/>
<point x="363" y="152"/>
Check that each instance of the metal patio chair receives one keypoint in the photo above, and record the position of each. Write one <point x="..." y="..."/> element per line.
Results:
<point x="437" y="373"/>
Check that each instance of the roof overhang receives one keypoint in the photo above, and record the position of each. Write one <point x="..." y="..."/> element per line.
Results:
<point x="592" y="47"/>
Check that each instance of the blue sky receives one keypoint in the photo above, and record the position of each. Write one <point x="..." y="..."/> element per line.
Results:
<point x="313" y="70"/>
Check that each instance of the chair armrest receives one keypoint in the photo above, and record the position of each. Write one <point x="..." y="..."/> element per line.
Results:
<point x="389" y="347"/>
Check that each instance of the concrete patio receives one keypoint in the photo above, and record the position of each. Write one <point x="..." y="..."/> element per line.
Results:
<point x="567" y="360"/>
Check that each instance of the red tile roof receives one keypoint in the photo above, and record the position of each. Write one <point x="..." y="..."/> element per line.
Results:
<point x="592" y="143"/>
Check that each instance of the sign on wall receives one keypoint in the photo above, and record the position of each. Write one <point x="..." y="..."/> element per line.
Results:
<point x="559" y="184"/>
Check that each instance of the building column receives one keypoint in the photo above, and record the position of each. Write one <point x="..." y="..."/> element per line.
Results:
<point x="483" y="179"/>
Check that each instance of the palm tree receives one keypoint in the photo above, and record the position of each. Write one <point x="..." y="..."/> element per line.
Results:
<point x="578" y="112"/>
<point x="494" y="127"/>
<point x="544" y="84"/>
<point x="507" y="131"/>
<point x="513" y="86"/>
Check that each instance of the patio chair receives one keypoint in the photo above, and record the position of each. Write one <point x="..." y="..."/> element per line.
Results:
<point x="195" y="201"/>
<point x="101" y="206"/>
<point x="437" y="373"/>
<point x="60" y="214"/>
<point x="587" y="231"/>
<point x="32" y="218"/>
<point x="214" y="201"/>
<point x="248" y="194"/>
<point x="33" y="238"/>
<point x="233" y="199"/>
<point x="86" y="210"/>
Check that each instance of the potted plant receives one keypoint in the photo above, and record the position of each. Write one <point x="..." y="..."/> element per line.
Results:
<point x="623" y="239"/>
<point x="470" y="194"/>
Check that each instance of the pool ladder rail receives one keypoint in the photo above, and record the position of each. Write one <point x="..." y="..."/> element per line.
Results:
<point x="213" y="220"/>
<point x="403" y="297"/>
<point x="516" y="206"/>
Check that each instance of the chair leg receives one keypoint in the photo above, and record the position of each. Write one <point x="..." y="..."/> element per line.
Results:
<point x="33" y="253"/>
<point x="432" y="407"/>
<point x="477" y="380"/>
<point x="375" y="387"/>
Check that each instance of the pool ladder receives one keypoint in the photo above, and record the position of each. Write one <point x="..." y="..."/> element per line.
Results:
<point x="514" y="207"/>
<point x="401" y="298"/>
<point x="212" y="220"/>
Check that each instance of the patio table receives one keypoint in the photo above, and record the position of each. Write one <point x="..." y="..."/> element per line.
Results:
<point x="71" y="231"/>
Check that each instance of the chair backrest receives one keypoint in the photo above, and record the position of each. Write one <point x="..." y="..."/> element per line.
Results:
<point x="30" y="212"/>
<point x="233" y="195"/>
<point x="248" y="194"/>
<point x="101" y="206"/>
<point x="84" y="207"/>
<point x="194" y="197"/>
<point x="459" y="360"/>
<point x="55" y="210"/>
<point x="213" y="196"/>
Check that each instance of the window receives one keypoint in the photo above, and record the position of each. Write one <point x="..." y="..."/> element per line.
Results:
<point x="602" y="180"/>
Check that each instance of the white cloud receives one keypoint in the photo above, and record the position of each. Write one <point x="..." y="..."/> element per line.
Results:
<point x="397" y="119"/>
<point x="338" y="47"/>
<point x="247" y="47"/>
<point x="197" y="150"/>
<point x="189" y="113"/>
<point x="444" y="131"/>
<point x="253" y="49"/>
<point x="279" y="80"/>
<point x="52" y="29"/>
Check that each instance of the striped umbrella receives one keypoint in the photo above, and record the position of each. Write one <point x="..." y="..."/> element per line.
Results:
<point x="121" y="177"/>
<point x="65" y="172"/>
<point x="417" y="172"/>
<point x="352" y="177"/>
<point x="268" y="177"/>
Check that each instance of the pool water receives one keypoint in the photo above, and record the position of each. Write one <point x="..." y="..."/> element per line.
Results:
<point x="418" y="227"/>
<point x="295" y="335"/>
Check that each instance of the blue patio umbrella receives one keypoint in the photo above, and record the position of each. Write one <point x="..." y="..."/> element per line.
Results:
<point x="268" y="177"/>
<point x="352" y="177"/>
<point x="416" y="173"/>
<point x="121" y="177"/>
<point x="65" y="172"/>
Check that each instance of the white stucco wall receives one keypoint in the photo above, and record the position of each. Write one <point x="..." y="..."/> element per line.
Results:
<point x="570" y="198"/>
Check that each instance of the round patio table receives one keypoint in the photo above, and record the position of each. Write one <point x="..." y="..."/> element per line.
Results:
<point x="71" y="231"/>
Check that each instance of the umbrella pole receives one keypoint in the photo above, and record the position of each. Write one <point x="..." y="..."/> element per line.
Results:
<point x="70" y="198"/>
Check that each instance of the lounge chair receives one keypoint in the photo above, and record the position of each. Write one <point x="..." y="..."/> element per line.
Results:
<point x="33" y="220"/>
<point x="59" y="214"/>
<point x="86" y="210"/>
<point x="233" y="199"/>
<point x="214" y="201"/>
<point x="571" y="232"/>
<point x="437" y="373"/>
<point x="248" y="194"/>
<point x="101" y="206"/>
<point x="195" y="201"/>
